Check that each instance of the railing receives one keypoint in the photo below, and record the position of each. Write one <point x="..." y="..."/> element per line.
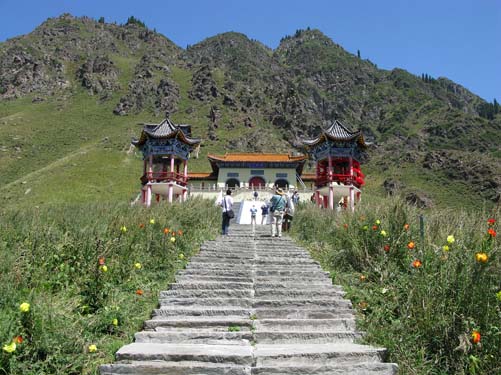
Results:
<point x="178" y="178"/>
<point x="347" y="179"/>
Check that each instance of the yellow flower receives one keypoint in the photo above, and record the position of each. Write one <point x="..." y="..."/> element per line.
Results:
<point x="115" y="322"/>
<point x="481" y="257"/>
<point x="92" y="348"/>
<point x="498" y="295"/>
<point x="152" y="221"/>
<point x="104" y="268"/>
<point x="24" y="307"/>
<point x="181" y="256"/>
<point x="138" y="265"/>
<point x="123" y="228"/>
<point x="10" y="348"/>
<point x="378" y="221"/>
<point x="173" y="239"/>
<point x="365" y="227"/>
<point x="383" y="233"/>
<point x="445" y="248"/>
<point x="451" y="239"/>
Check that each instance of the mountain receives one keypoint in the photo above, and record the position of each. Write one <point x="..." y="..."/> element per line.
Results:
<point x="72" y="91"/>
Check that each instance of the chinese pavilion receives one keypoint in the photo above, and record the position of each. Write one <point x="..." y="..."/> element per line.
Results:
<point x="251" y="170"/>
<point x="166" y="149"/>
<point x="337" y="152"/>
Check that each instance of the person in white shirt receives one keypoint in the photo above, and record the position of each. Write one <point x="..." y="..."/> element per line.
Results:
<point x="253" y="212"/>
<point x="227" y="207"/>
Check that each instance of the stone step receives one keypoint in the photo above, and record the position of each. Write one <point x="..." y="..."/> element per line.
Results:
<point x="230" y="354"/>
<point x="221" y="323"/>
<point x="303" y="313"/>
<point x="207" y="337"/>
<point x="297" y="292"/>
<point x="302" y="302"/>
<point x="184" y="285"/>
<point x="314" y="285"/>
<point x="193" y="278"/>
<point x="207" y="293"/>
<point x="176" y="311"/>
<point x="299" y="325"/>
<point x="356" y="368"/>
<point x="323" y="354"/>
<point x="236" y="302"/>
<point x="175" y="368"/>
<point x="306" y="337"/>
<point x="247" y="273"/>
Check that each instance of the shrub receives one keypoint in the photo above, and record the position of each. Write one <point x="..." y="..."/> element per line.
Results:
<point x="421" y="294"/>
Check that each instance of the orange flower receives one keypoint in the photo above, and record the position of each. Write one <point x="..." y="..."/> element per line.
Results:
<point x="411" y="245"/>
<point x="141" y="226"/>
<point x="362" y="278"/>
<point x="101" y="261"/>
<point x="180" y="232"/>
<point x="475" y="337"/>
<point x="386" y="248"/>
<point x="173" y="233"/>
<point x="406" y="227"/>
<point x="374" y="227"/>
<point x="491" y="222"/>
<point x="417" y="263"/>
<point x="345" y="226"/>
<point x="481" y="257"/>
<point x="166" y="231"/>
<point x="492" y="232"/>
<point x="139" y="292"/>
<point x="18" y="339"/>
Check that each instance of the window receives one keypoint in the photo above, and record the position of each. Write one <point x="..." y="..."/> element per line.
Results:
<point x="233" y="174"/>
<point x="257" y="172"/>
<point x="281" y="175"/>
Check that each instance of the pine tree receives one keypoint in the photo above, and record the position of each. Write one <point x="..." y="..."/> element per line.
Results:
<point x="101" y="20"/>
<point x="358" y="53"/>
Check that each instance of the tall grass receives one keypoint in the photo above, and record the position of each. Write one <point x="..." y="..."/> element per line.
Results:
<point x="91" y="275"/>
<point x="421" y="291"/>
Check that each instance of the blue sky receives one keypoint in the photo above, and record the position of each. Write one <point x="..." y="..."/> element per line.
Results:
<point x="460" y="39"/>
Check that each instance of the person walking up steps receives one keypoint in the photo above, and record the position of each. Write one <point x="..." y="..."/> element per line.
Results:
<point x="253" y="212"/>
<point x="277" y="203"/>
<point x="227" y="207"/>
<point x="264" y="213"/>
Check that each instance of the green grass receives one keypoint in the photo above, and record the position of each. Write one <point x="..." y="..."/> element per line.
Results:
<point x="424" y="315"/>
<point x="51" y="260"/>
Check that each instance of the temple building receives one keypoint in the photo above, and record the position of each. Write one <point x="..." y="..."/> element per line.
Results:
<point x="251" y="170"/>
<point x="337" y="152"/>
<point x="166" y="149"/>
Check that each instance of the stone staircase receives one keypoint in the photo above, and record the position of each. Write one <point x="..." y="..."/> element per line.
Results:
<point x="250" y="305"/>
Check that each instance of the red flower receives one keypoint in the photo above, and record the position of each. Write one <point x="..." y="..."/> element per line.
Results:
<point x="491" y="222"/>
<point x="180" y="232"/>
<point x="141" y="226"/>
<point x="411" y="245"/>
<point x="492" y="232"/>
<point x="475" y="337"/>
<point x="18" y="339"/>
<point x="166" y="231"/>
<point x="417" y="263"/>
<point x="139" y="292"/>
<point x="374" y="227"/>
<point x="386" y="248"/>
<point x="101" y="261"/>
<point x="345" y="226"/>
<point x="406" y="227"/>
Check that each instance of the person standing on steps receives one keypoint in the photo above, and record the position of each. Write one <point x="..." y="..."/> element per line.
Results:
<point x="277" y="208"/>
<point x="288" y="213"/>
<point x="253" y="212"/>
<point x="264" y="213"/>
<point x="255" y="194"/>
<point x="227" y="207"/>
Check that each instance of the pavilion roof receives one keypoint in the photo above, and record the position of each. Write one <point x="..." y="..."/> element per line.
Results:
<point x="166" y="129"/>
<point x="337" y="132"/>
<point x="258" y="157"/>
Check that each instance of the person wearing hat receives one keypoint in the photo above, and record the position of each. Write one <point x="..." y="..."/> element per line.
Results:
<point x="277" y="208"/>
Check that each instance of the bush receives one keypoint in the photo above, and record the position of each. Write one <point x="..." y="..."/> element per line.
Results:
<point x="91" y="275"/>
<point x="424" y="295"/>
